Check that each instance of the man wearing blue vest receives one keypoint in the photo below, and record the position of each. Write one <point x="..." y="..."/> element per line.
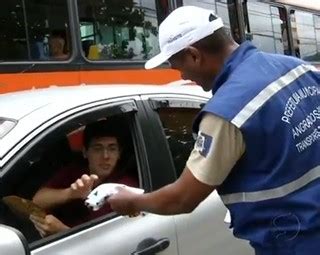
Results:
<point x="258" y="139"/>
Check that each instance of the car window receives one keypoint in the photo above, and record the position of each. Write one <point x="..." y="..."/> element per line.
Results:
<point x="102" y="146"/>
<point x="177" y="126"/>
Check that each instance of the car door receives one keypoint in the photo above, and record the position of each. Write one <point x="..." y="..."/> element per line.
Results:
<point x="110" y="234"/>
<point x="204" y="230"/>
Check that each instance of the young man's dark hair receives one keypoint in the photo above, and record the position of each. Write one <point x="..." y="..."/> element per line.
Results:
<point x="101" y="128"/>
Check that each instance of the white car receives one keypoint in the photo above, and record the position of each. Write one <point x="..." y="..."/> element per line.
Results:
<point x="38" y="135"/>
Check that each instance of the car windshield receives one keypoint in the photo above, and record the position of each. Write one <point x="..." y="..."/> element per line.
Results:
<point x="6" y="125"/>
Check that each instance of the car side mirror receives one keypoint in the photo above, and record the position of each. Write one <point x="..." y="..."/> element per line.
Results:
<point x="12" y="241"/>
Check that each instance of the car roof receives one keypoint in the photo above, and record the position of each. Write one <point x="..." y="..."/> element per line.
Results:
<point x="35" y="108"/>
<point x="17" y="105"/>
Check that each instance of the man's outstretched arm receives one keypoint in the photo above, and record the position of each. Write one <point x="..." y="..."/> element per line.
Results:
<point x="217" y="149"/>
<point x="182" y="196"/>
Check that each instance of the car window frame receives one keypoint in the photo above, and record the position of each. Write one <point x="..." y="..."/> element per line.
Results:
<point x="21" y="143"/>
<point x="60" y="126"/>
<point x="152" y="102"/>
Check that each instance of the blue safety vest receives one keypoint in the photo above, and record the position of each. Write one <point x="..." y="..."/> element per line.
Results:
<point x="273" y="191"/>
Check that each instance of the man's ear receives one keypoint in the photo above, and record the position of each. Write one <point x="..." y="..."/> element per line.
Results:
<point x="194" y="54"/>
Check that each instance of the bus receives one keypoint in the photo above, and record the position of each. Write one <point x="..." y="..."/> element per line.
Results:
<point x="70" y="42"/>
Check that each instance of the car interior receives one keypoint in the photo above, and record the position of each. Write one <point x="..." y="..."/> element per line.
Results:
<point x="52" y="152"/>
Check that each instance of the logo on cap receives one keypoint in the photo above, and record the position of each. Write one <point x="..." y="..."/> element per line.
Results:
<point x="176" y="37"/>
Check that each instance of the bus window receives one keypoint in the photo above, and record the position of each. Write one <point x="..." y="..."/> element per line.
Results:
<point x="218" y="6"/>
<point x="28" y="27"/>
<point x="118" y="30"/>
<point x="306" y="35"/>
<point x="267" y="27"/>
<point x="226" y="9"/>
<point x="317" y="29"/>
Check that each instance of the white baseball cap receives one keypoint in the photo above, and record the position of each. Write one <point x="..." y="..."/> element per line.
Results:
<point x="182" y="28"/>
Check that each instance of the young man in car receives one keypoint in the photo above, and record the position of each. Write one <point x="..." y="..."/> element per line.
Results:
<point x="258" y="137"/>
<point x="63" y="196"/>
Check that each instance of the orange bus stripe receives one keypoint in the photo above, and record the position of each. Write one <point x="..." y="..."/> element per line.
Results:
<point x="25" y="81"/>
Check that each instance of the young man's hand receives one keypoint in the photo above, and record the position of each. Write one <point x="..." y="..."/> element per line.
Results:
<point x="48" y="225"/>
<point x="82" y="187"/>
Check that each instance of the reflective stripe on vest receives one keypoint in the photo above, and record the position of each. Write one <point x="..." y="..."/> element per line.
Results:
<point x="270" y="91"/>
<point x="278" y="192"/>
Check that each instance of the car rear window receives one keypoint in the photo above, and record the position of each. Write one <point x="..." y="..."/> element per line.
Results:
<point x="6" y="125"/>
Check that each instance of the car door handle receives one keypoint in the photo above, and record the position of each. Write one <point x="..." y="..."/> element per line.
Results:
<point x="151" y="246"/>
